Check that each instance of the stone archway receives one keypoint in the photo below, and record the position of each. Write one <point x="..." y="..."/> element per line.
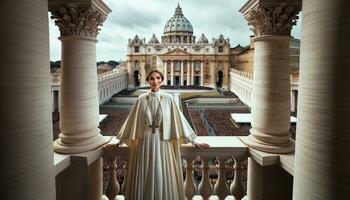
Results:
<point x="219" y="79"/>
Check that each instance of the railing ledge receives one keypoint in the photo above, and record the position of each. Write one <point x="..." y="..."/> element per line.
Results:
<point x="220" y="145"/>
<point x="286" y="161"/>
<point x="61" y="162"/>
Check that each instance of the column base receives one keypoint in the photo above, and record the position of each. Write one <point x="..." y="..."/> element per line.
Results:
<point x="79" y="146"/>
<point x="269" y="143"/>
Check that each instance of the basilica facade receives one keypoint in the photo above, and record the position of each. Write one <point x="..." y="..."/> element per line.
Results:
<point x="184" y="59"/>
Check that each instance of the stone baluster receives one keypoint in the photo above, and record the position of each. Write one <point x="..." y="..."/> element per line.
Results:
<point x="113" y="186"/>
<point x="126" y="169"/>
<point x="190" y="187"/>
<point x="221" y="188"/>
<point x="204" y="187"/>
<point x="237" y="189"/>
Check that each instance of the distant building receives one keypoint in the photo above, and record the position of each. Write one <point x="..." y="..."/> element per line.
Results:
<point x="244" y="59"/>
<point x="184" y="60"/>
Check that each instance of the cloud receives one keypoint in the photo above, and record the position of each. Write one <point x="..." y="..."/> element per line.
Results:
<point x="131" y="17"/>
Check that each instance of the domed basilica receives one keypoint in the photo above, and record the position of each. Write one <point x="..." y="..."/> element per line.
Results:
<point x="184" y="60"/>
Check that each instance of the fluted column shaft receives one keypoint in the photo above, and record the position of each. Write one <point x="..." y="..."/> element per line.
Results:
<point x="26" y="153"/>
<point x="323" y="141"/>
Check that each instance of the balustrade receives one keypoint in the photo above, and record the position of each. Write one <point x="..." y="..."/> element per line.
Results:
<point x="222" y="148"/>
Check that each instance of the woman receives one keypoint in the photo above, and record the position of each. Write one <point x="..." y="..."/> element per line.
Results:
<point x="153" y="131"/>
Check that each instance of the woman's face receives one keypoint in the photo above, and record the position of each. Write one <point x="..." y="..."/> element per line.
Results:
<point x="155" y="81"/>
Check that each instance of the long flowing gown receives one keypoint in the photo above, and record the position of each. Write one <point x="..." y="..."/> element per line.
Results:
<point x="155" y="171"/>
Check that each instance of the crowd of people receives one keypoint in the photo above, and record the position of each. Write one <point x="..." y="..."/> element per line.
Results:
<point x="114" y="121"/>
<point x="199" y="126"/>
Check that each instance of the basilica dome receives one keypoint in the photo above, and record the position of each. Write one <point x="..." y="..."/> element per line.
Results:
<point x="178" y="23"/>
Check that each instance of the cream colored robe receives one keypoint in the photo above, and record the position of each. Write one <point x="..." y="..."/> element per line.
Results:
<point x="174" y="129"/>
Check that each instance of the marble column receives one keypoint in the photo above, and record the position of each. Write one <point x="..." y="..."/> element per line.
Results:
<point x="182" y="73"/>
<point x="321" y="169"/>
<point x="188" y="73"/>
<point x="202" y="73"/>
<point x="79" y="116"/>
<point x="80" y="104"/>
<point x="165" y="67"/>
<point x="270" y="108"/>
<point x="172" y="73"/>
<point x="192" y="72"/>
<point x="26" y="153"/>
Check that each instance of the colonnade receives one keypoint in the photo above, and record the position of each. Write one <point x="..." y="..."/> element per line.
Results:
<point x="183" y="72"/>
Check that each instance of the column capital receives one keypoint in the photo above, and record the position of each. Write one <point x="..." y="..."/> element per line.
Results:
<point x="79" y="18"/>
<point x="271" y="17"/>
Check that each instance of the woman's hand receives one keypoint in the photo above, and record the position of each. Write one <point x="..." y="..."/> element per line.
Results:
<point x="202" y="146"/>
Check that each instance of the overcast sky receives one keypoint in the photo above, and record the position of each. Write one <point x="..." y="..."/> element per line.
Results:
<point x="145" y="17"/>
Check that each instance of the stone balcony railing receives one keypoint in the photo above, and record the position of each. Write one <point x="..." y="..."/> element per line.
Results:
<point x="55" y="77"/>
<point x="222" y="148"/>
<point x="110" y="74"/>
<point x="241" y="83"/>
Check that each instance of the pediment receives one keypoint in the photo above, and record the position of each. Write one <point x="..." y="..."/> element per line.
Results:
<point x="177" y="52"/>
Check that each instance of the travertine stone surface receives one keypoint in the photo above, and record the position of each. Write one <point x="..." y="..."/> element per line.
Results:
<point x="271" y="96"/>
<point x="81" y="18"/>
<point x="26" y="154"/>
<point x="322" y="164"/>
<point x="271" y="21"/>
<point x="268" y="182"/>
<point x="212" y="74"/>
<point x="79" y="24"/>
<point x="79" y="97"/>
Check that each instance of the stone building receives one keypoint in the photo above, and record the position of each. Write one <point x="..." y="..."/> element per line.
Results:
<point x="184" y="60"/>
